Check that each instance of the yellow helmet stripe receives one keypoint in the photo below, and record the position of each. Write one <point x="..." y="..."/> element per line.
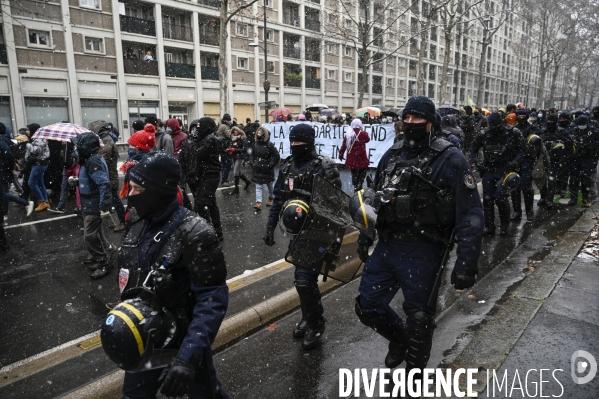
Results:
<point x="297" y="203"/>
<point x="532" y="136"/>
<point x="508" y="175"/>
<point x="132" y="327"/>
<point x="130" y="307"/>
<point x="362" y="207"/>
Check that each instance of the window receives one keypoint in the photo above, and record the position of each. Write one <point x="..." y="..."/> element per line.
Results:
<point x="348" y="51"/>
<point x="46" y="111"/>
<point x="271" y="66"/>
<point x="38" y="38"/>
<point x="331" y="74"/>
<point x="168" y="57"/>
<point x="94" y="45"/>
<point x="270" y="35"/>
<point x="268" y="3"/>
<point x="348" y="23"/>
<point x="332" y="19"/>
<point x="94" y="110"/>
<point x="390" y="82"/>
<point x="241" y="29"/>
<point x="90" y="3"/>
<point x="331" y="48"/>
<point x="401" y="62"/>
<point x="347" y="77"/>
<point x="242" y="63"/>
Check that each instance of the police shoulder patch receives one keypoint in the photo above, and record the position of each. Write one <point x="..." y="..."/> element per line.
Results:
<point x="469" y="181"/>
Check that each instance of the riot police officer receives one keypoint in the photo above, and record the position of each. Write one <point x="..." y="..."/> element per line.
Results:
<point x="424" y="191"/>
<point x="594" y="119"/>
<point x="533" y="150"/>
<point x="503" y="152"/>
<point x="163" y="236"/>
<point x="584" y="159"/>
<point x="558" y="144"/>
<point x="295" y="183"/>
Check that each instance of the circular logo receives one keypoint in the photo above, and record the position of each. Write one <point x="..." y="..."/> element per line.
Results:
<point x="110" y="320"/>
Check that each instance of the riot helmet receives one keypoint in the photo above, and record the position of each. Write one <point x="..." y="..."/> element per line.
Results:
<point x="534" y="144"/>
<point x="510" y="182"/>
<point x="295" y="216"/>
<point x="362" y="213"/>
<point x="558" y="150"/>
<point x="135" y="329"/>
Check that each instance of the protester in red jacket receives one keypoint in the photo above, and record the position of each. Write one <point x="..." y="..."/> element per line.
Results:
<point x="177" y="134"/>
<point x="357" y="161"/>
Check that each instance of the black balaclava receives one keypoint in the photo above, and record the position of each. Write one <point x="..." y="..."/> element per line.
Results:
<point x="495" y="122"/>
<point x="522" y="116"/>
<point x="468" y="110"/>
<point x="303" y="133"/>
<point x="564" y="123"/>
<point x="205" y="127"/>
<point x="552" y="122"/>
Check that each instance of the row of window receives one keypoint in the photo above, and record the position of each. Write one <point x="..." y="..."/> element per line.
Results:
<point x="43" y="39"/>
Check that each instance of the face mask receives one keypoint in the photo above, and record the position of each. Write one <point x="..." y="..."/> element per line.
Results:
<point x="564" y="123"/>
<point x="522" y="121"/>
<point x="539" y="115"/>
<point x="300" y="152"/>
<point x="551" y="125"/>
<point x="496" y="129"/>
<point x="131" y="152"/>
<point x="583" y="127"/>
<point x="415" y="134"/>
<point x="383" y="120"/>
<point x="147" y="203"/>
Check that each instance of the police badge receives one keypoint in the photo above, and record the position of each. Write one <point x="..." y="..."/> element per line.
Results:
<point x="469" y="181"/>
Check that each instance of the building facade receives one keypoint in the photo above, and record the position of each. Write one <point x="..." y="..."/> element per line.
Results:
<point x="83" y="60"/>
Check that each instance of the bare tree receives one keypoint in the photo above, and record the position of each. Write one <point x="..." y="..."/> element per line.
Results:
<point x="228" y="10"/>
<point x="452" y="16"/>
<point x="490" y="22"/>
<point x="374" y="32"/>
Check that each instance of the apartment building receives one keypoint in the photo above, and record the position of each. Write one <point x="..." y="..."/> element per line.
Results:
<point x="122" y="60"/>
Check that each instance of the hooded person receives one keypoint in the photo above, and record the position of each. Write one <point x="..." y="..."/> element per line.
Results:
<point x="26" y="168"/>
<point x="111" y="155"/>
<point x="564" y="121"/>
<point x="295" y="182"/>
<point x="265" y="157"/>
<point x="177" y="135"/>
<point x="37" y="156"/>
<point x="7" y="166"/>
<point x="238" y="152"/>
<point x="224" y="136"/>
<point x="95" y="193"/>
<point x="446" y="127"/>
<point x="198" y="295"/>
<point x="354" y="142"/>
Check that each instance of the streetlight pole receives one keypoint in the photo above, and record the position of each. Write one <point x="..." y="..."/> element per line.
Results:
<point x="266" y="82"/>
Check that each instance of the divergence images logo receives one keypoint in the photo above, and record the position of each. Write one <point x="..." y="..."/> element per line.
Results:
<point x="583" y="366"/>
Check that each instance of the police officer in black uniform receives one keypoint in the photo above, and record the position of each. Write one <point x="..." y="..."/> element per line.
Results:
<point x="584" y="160"/>
<point x="295" y="183"/>
<point x="594" y="119"/>
<point x="160" y="232"/>
<point x="558" y="144"/>
<point x="533" y="150"/>
<point x="424" y="190"/>
<point x="503" y="152"/>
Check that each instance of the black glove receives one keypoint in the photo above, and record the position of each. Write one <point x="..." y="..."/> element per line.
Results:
<point x="462" y="281"/>
<point x="363" y="252"/>
<point x="178" y="377"/>
<point x="269" y="237"/>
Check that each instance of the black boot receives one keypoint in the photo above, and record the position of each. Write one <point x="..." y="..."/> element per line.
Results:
<point x="300" y="328"/>
<point x="236" y="189"/>
<point x="529" y="199"/>
<point x="310" y="299"/>
<point x="247" y="181"/>
<point x="398" y="335"/>
<point x="517" y="205"/>
<point x="573" y="198"/>
<point x="504" y="216"/>
<point x="489" y="212"/>
<point x="102" y="270"/>
<point x="422" y="326"/>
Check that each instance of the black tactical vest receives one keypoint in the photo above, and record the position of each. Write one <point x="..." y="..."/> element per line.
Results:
<point x="405" y="196"/>
<point x="298" y="182"/>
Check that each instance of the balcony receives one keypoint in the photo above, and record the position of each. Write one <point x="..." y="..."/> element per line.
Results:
<point x="210" y="3"/>
<point x="209" y="38"/>
<point x="292" y="80"/>
<point x="312" y="83"/>
<point x="177" y="32"/>
<point x="209" y="72"/>
<point x="377" y="89"/>
<point x="141" y="67"/>
<point x="3" y="57"/>
<point x="312" y="24"/>
<point x="377" y="66"/>
<point x="291" y="52"/>
<point x="137" y="25"/>
<point x="186" y="71"/>
<point x="291" y="14"/>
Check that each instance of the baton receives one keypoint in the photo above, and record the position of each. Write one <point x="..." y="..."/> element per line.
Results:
<point x="444" y="260"/>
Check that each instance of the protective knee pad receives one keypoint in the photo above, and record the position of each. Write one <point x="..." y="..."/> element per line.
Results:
<point x="422" y="326"/>
<point x="380" y="323"/>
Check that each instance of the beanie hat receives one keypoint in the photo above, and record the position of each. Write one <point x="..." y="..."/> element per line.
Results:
<point x="137" y="125"/>
<point x="145" y="139"/>
<point x="552" y="118"/>
<point x="564" y="115"/>
<point x="158" y="172"/>
<point x="581" y="121"/>
<point x="495" y="119"/>
<point x="303" y="133"/>
<point x="226" y="117"/>
<point x="421" y="106"/>
<point x="522" y="111"/>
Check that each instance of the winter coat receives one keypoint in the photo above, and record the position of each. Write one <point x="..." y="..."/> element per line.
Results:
<point x="176" y="134"/>
<point x="109" y="151"/>
<point x="265" y="157"/>
<point x="224" y="135"/>
<point x="449" y="124"/>
<point x="164" y="142"/>
<point x="356" y="154"/>
<point x="199" y="158"/>
<point x="7" y="162"/>
<point x="37" y="153"/>
<point x="94" y="183"/>
<point x="250" y="132"/>
<point x="238" y="144"/>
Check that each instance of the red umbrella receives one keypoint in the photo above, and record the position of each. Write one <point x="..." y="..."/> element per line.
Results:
<point x="281" y="112"/>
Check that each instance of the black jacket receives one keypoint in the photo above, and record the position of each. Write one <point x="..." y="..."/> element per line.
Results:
<point x="94" y="183"/>
<point x="199" y="158"/>
<point x="265" y="158"/>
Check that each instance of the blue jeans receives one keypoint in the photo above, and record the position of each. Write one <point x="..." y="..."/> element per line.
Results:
<point x="36" y="182"/>
<point x="227" y="163"/>
<point x="11" y="197"/>
<point x="409" y="266"/>
<point x="259" y="191"/>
